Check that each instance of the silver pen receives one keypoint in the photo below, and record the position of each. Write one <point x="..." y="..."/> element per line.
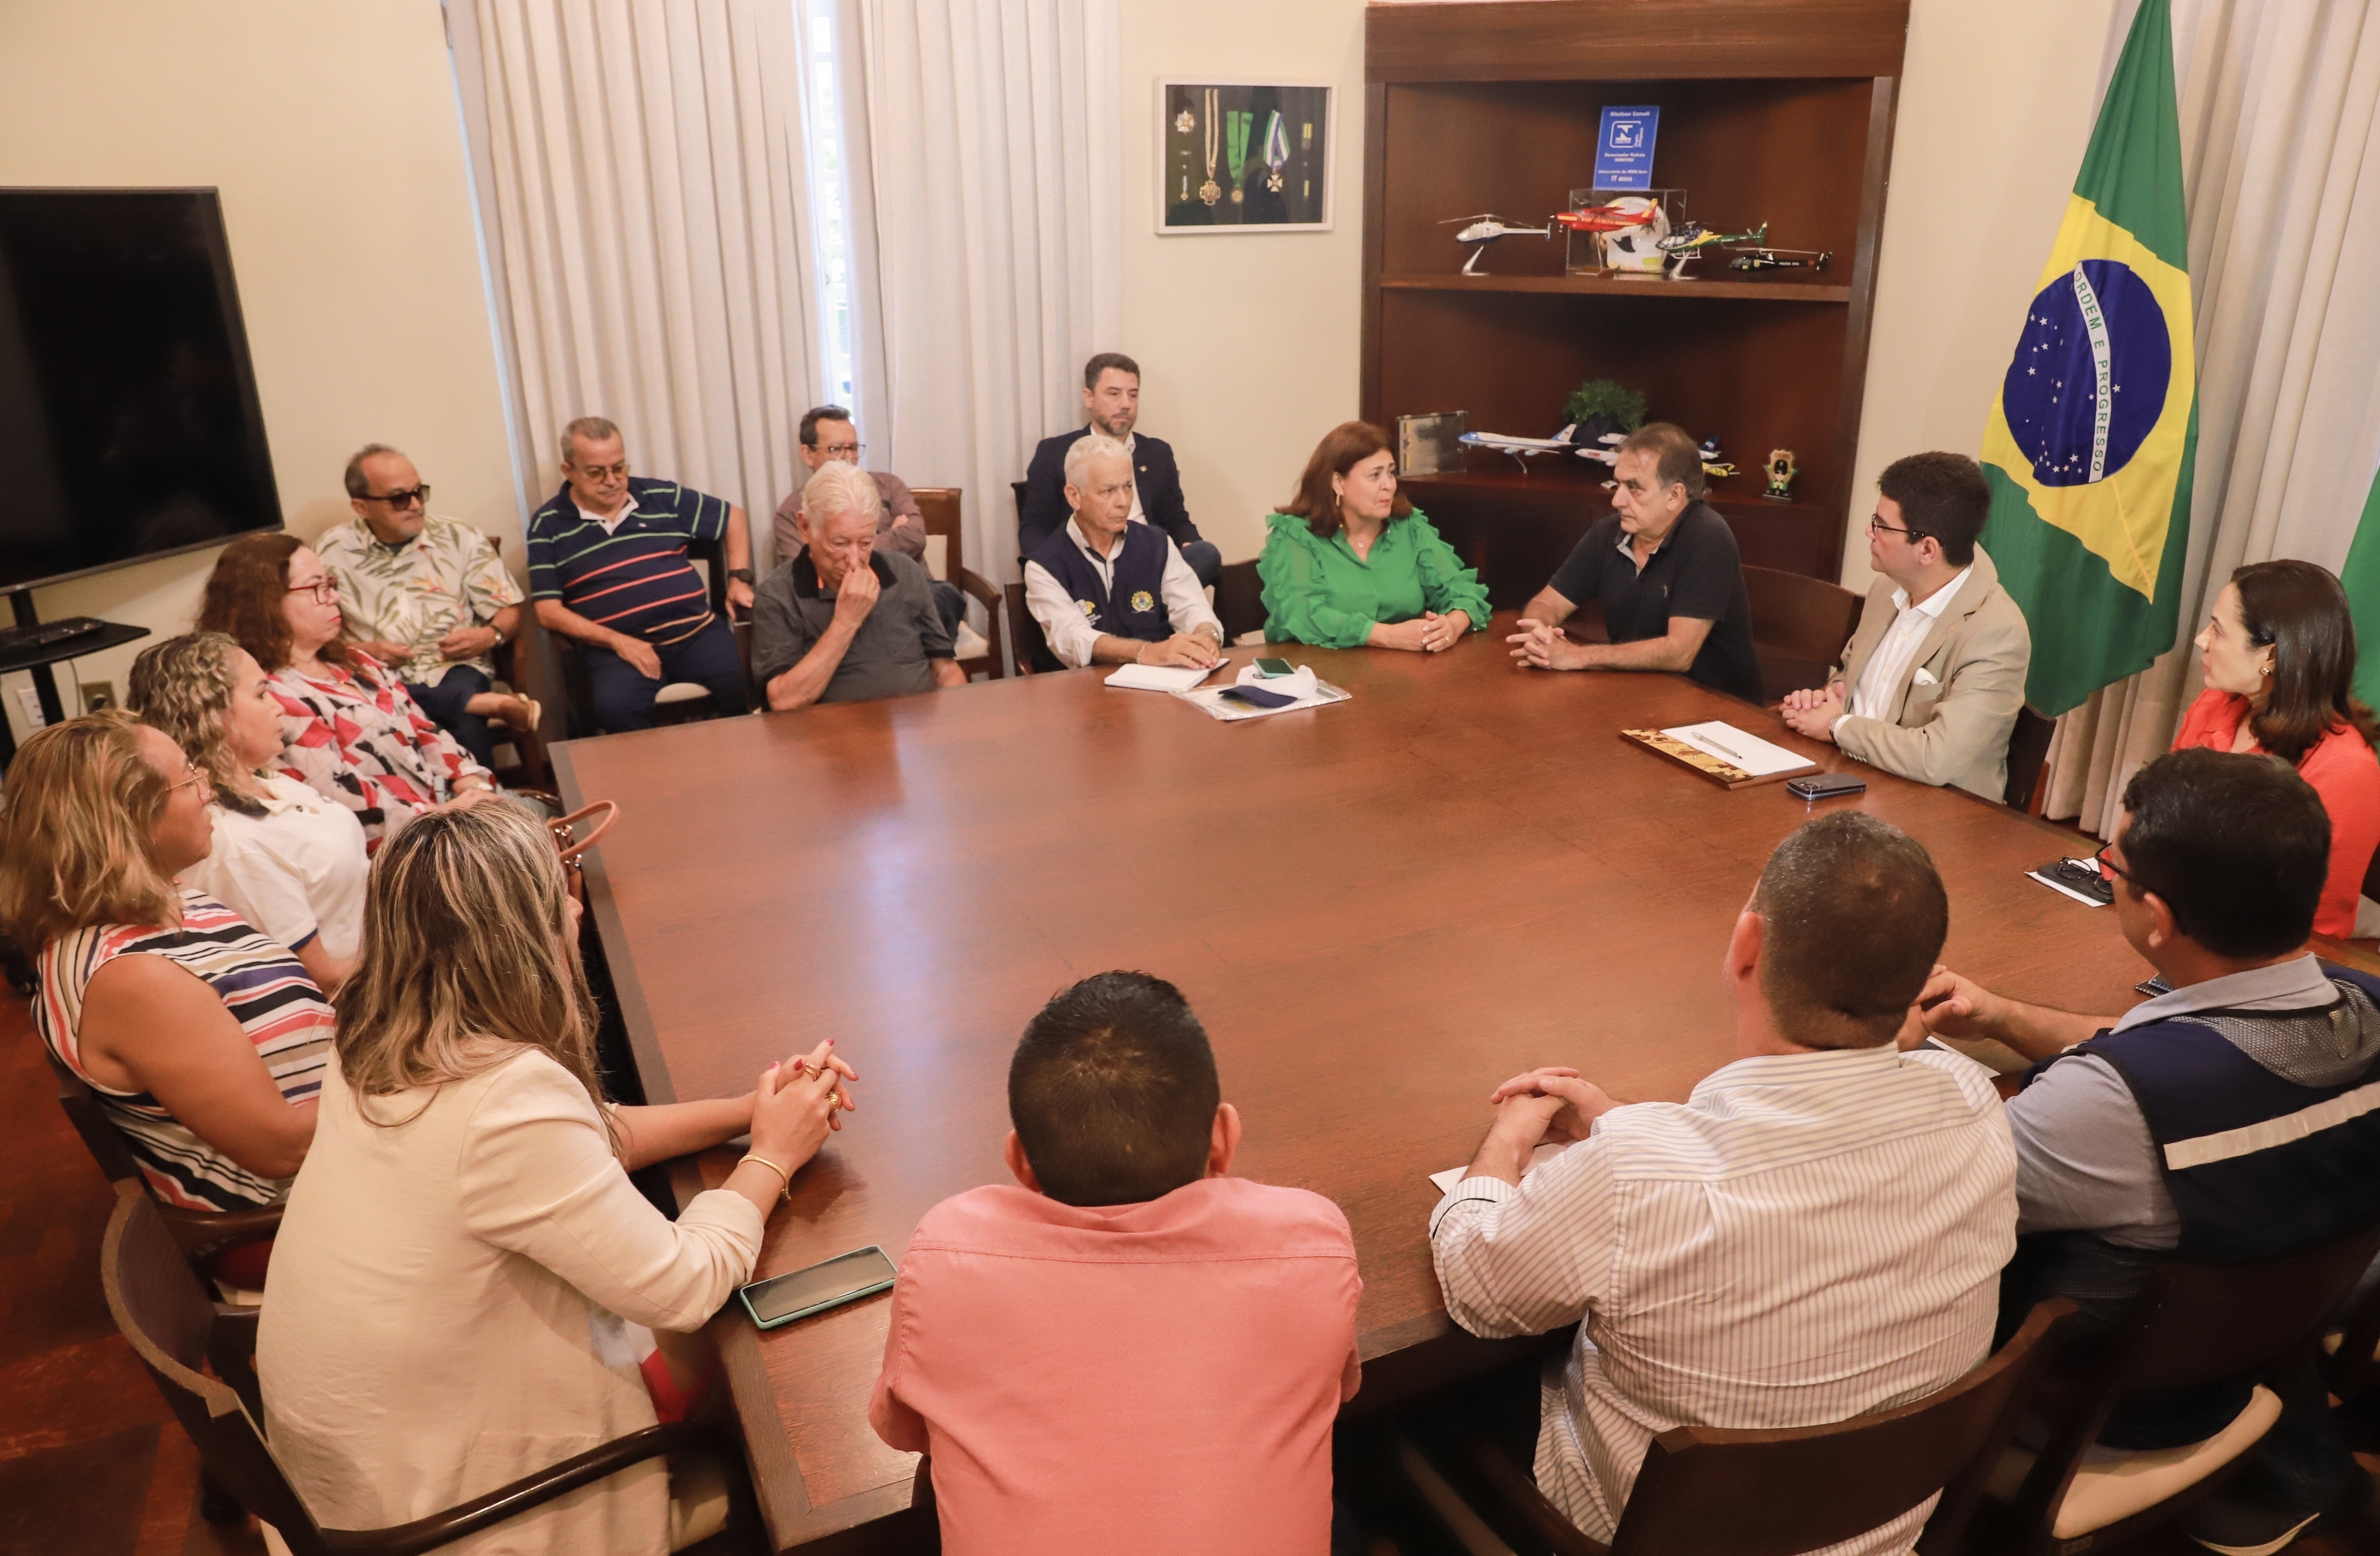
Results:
<point x="1714" y="740"/>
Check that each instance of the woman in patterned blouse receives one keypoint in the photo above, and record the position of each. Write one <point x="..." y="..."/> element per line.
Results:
<point x="348" y="727"/>
<point x="204" y="1040"/>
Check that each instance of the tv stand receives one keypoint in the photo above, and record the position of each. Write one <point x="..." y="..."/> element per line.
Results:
<point x="39" y="658"/>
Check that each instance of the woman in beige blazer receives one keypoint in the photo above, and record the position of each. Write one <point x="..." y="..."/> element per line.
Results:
<point x="458" y="1278"/>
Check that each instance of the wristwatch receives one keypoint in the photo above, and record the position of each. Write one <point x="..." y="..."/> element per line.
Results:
<point x="741" y="574"/>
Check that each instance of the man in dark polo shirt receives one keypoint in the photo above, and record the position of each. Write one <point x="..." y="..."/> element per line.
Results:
<point x="1664" y="566"/>
<point x="844" y="622"/>
<point x="608" y="566"/>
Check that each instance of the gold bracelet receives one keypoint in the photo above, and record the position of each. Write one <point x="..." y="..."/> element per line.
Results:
<point x="773" y="1167"/>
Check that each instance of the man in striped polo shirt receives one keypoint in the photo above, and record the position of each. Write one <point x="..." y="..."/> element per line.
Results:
<point x="608" y="566"/>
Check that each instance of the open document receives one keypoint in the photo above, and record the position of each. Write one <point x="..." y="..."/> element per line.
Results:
<point x="1748" y="753"/>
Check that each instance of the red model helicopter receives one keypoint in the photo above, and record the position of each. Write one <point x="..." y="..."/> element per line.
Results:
<point x="1606" y="218"/>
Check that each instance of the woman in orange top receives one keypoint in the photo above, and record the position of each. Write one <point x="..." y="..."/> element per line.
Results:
<point x="2279" y="652"/>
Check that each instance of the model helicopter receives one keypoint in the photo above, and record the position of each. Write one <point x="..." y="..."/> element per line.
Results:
<point x="1485" y="229"/>
<point x="1782" y="259"/>
<point x="1605" y="218"/>
<point x="1694" y="237"/>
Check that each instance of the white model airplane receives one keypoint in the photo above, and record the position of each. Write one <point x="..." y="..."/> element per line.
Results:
<point x="1485" y="229"/>
<point x="1524" y="449"/>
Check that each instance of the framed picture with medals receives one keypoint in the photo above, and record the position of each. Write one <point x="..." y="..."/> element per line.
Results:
<point x="1243" y="157"/>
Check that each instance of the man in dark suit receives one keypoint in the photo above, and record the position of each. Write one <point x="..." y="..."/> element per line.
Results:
<point x="1111" y="398"/>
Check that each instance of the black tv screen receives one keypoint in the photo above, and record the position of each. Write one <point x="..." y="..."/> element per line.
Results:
<point x="128" y="421"/>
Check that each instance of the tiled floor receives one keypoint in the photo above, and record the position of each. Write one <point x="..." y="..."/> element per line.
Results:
<point x="91" y="1462"/>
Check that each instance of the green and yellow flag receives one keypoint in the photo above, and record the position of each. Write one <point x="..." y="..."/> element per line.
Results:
<point x="2090" y="444"/>
<point x="2362" y="578"/>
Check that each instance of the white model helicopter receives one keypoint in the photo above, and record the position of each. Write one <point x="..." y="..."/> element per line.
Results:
<point x="1485" y="229"/>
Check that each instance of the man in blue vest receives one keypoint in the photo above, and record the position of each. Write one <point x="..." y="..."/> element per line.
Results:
<point x="1108" y="591"/>
<point x="2230" y="1120"/>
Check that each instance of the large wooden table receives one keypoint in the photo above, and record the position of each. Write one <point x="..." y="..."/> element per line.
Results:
<point x="1381" y="910"/>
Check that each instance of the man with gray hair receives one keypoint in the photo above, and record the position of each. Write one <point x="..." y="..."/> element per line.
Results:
<point x="842" y="621"/>
<point x="608" y="566"/>
<point x="1107" y="591"/>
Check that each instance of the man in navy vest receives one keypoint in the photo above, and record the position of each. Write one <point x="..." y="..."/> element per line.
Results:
<point x="2254" y="1073"/>
<point x="1111" y="400"/>
<point x="1108" y="591"/>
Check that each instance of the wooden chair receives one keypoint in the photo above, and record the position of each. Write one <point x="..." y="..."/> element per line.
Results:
<point x="1704" y="1491"/>
<point x="178" y="1334"/>
<point x="978" y="652"/>
<point x="1798" y="627"/>
<point x="2195" y="1324"/>
<point x="1028" y="649"/>
<point x="1239" y="600"/>
<point x="677" y="701"/>
<point x="518" y="667"/>
<point x="2028" y="748"/>
<point x="196" y="1233"/>
<point x="1016" y="495"/>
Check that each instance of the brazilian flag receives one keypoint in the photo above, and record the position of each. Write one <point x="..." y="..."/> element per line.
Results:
<point x="2362" y="578"/>
<point x="2090" y="444"/>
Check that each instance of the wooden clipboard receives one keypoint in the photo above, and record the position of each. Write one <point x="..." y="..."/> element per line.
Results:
<point x="1702" y="763"/>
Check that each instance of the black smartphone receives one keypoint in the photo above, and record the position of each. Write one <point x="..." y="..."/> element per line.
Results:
<point x="845" y="1278"/>
<point x="1252" y="697"/>
<point x="1272" y="669"/>
<point x="1825" y="785"/>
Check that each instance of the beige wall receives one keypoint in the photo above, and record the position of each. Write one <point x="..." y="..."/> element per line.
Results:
<point x="1997" y="105"/>
<point x="1247" y="342"/>
<point x="331" y="130"/>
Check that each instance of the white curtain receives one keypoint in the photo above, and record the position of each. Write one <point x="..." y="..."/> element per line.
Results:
<point x="995" y="182"/>
<point x="2281" y="144"/>
<point x="643" y="179"/>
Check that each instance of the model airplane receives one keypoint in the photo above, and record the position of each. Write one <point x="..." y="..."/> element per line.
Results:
<point x="1782" y="259"/>
<point x="1485" y="229"/>
<point x="1607" y="218"/>
<point x="1522" y="450"/>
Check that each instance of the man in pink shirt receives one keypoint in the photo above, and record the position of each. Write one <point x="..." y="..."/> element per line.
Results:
<point x="1131" y="1350"/>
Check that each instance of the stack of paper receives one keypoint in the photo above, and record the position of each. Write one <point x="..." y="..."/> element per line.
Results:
<point x="1748" y="753"/>
<point x="1162" y="678"/>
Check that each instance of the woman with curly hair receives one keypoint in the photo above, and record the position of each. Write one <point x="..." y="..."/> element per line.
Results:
<point x="285" y="858"/>
<point x="348" y="727"/>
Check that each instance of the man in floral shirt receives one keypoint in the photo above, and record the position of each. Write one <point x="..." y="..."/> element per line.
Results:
<point x="426" y="597"/>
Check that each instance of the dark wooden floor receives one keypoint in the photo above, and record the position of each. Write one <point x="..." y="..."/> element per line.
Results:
<point x="91" y="1462"/>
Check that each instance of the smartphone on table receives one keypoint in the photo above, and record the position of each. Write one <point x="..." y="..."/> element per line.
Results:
<point x="1273" y="669"/>
<point x="1825" y="785"/>
<point x="801" y="1292"/>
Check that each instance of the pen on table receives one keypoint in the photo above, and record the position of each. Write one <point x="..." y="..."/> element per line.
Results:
<point x="1715" y="741"/>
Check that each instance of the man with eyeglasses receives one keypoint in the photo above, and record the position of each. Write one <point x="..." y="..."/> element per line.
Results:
<point x="1664" y="566"/>
<point x="1930" y="686"/>
<point x="2228" y="1121"/>
<point x="828" y="435"/>
<point x="426" y="597"/>
<point x="608" y="567"/>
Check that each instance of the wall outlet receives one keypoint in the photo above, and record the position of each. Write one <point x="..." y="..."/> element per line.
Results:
<point x="30" y="701"/>
<point x="98" y="695"/>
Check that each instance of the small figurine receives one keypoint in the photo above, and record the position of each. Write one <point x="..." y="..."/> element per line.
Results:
<point x="1782" y="470"/>
<point x="1483" y="230"/>
<point x="1714" y="464"/>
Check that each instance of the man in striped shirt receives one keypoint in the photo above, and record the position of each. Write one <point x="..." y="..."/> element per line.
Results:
<point x="1815" y="1234"/>
<point x="608" y="566"/>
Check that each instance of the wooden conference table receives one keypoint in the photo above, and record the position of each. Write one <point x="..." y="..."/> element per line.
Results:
<point x="1381" y="910"/>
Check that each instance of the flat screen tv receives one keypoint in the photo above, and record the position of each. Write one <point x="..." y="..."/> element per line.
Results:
<point x="128" y="421"/>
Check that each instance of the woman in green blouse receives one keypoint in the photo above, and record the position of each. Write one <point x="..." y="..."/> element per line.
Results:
<point x="1350" y="563"/>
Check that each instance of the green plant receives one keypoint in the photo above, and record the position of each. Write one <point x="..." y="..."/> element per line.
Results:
<point x="1603" y="397"/>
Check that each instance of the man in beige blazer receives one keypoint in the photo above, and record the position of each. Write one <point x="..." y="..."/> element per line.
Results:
<point x="1931" y="684"/>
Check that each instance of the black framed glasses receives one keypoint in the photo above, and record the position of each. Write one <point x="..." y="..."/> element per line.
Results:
<point x="2111" y="869"/>
<point x="405" y="497"/>
<point x="1878" y="527"/>
<point x="851" y="451"/>
<point x="325" y="591"/>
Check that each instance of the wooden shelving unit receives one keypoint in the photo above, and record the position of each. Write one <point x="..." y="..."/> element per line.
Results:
<point x="1771" y="110"/>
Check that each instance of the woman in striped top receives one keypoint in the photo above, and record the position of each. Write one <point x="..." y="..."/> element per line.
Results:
<point x="204" y="1040"/>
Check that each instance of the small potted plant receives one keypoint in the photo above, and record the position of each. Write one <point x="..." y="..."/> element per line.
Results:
<point x="1601" y="407"/>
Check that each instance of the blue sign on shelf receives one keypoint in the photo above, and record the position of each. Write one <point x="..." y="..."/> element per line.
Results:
<point x="1623" y="157"/>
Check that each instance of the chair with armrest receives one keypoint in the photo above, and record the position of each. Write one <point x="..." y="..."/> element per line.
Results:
<point x="2028" y="749"/>
<point x="2194" y="1324"/>
<point x="1028" y="649"/>
<point x="518" y="666"/>
<point x="196" y="1233"/>
<point x="178" y="1335"/>
<point x="1708" y="1491"/>
<point x="1800" y="625"/>
<point x="977" y="652"/>
<point x="677" y="701"/>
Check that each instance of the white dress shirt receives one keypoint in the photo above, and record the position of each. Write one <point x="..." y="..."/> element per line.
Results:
<point x="1872" y="698"/>
<point x="1070" y="632"/>
<point x="1130" y="440"/>
<point x="1809" y="1238"/>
